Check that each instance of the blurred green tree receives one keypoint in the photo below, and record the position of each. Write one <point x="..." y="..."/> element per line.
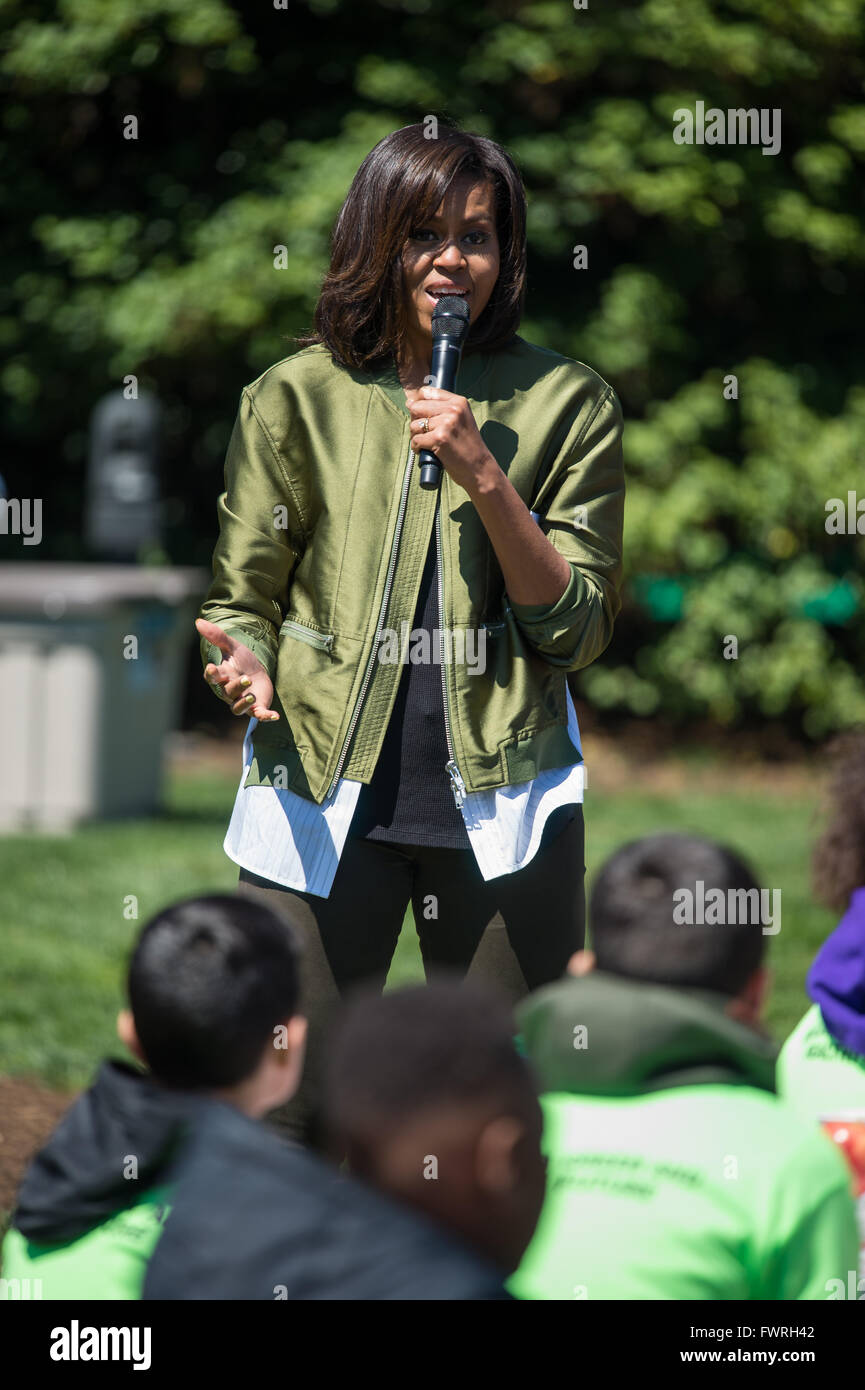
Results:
<point x="154" y="256"/>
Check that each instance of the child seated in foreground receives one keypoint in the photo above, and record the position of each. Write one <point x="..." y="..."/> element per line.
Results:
<point x="675" y="1171"/>
<point x="441" y="1123"/>
<point x="429" y="1100"/>
<point x="213" y="995"/>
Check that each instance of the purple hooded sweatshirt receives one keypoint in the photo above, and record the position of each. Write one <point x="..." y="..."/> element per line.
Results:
<point x="836" y="980"/>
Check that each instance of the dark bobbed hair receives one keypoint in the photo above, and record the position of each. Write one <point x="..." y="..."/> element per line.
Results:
<point x="398" y="187"/>
<point x="423" y="1048"/>
<point x="209" y="980"/>
<point x="633" y="930"/>
<point x="838" y="861"/>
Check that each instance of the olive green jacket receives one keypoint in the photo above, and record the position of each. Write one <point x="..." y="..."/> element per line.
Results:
<point x="324" y="532"/>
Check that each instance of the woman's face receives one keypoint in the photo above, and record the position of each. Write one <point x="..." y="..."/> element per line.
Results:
<point x="455" y="252"/>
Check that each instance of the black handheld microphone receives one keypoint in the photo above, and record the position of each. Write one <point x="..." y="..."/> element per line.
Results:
<point x="450" y="326"/>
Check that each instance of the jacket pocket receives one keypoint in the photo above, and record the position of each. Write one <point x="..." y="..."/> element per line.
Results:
<point x="292" y="628"/>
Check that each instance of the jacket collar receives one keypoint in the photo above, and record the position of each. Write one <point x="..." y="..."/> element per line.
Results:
<point x="472" y="369"/>
<point x="638" y="1038"/>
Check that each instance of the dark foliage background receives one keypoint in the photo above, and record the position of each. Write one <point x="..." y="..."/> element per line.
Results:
<point x="155" y="257"/>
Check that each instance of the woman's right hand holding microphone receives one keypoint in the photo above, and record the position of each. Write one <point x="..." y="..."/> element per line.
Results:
<point x="239" y="680"/>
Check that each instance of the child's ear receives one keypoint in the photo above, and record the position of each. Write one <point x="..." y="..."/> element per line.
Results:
<point x="287" y="1056"/>
<point x="496" y="1164"/>
<point x="747" y="1007"/>
<point x="128" y="1036"/>
<point x="581" y="963"/>
<point x="295" y="1041"/>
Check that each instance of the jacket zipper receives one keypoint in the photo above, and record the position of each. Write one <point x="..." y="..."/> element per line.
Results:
<point x="458" y="786"/>
<point x="387" y="588"/>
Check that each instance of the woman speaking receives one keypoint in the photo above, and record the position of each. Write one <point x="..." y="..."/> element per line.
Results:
<point x="403" y="650"/>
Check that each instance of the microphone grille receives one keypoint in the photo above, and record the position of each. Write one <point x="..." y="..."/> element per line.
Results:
<point x="451" y="317"/>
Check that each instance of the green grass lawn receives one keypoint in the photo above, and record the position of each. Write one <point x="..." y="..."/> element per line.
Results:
<point x="66" y="934"/>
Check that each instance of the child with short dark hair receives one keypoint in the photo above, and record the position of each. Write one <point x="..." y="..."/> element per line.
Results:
<point x="675" y="1171"/>
<point x="213" y="994"/>
<point x="428" y="1098"/>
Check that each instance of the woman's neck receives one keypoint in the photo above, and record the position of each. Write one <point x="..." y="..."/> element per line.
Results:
<point x="412" y="369"/>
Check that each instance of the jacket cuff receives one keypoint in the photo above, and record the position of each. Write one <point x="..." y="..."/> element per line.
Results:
<point x="535" y="615"/>
<point x="552" y="629"/>
<point x="263" y="650"/>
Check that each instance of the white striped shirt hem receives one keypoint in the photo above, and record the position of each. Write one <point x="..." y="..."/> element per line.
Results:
<point x="297" y="843"/>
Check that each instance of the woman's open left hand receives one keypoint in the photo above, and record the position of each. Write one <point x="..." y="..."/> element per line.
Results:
<point x="239" y="679"/>
<point x="443" y="422"/>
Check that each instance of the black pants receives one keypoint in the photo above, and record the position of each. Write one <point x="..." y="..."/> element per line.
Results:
<point x="517" y="930"/>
